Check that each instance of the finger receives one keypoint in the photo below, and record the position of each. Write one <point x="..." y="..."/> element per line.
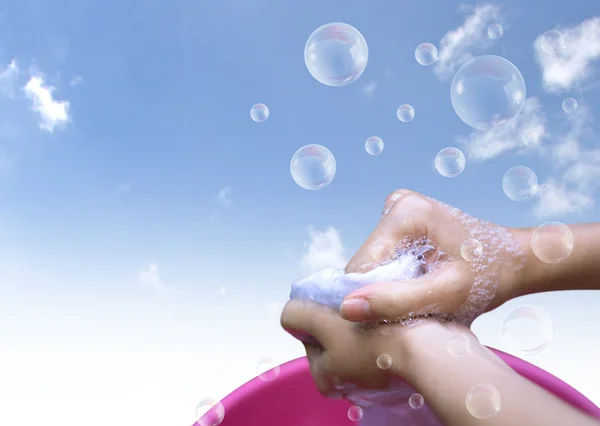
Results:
<point x="318" y="369"/>
<point x="310" y="323"/>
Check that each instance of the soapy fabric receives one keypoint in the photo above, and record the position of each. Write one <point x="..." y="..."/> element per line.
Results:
<point x="328" y="288"/>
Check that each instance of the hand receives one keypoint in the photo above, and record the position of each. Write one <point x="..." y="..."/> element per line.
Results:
<point x="466" y="283"/>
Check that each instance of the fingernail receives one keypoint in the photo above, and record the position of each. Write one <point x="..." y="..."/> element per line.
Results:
<point x="356" y="309"/>
<point x="388" y="206"/>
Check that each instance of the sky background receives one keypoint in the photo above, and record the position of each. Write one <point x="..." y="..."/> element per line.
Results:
<point x="150" y="230"/>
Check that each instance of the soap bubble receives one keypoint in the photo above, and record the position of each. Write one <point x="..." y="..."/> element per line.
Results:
<point x="259" y="113"/>
<point x="552" y="242"/>
<point x="355" y="413"/>
<point x="487" y="91"/>
<point x="483" y="401"/>
<point x="313" y="167"/>
<point x="471" y="250"/>
<point x="495" y="31"/>
<point x="530" y="137"/>
<point x="374" y="145"/>
<point x="450" y="162"/>
<point x="552" y="42"/>
<point x="336" y="54"/>
<point x="527" y="329"/>
<point x="426" y="54"/>
<point x="458" y="344"/>
<point x="204" y="407"/>
<point x="416" y="401"/>
<point x="520" y="183"/>
<point x="267" y="369"/>
<point x="570" y="105"/>
<point x="384" y="361"/>
<point x="405" y="113"/>
<point x="382" y="249"/>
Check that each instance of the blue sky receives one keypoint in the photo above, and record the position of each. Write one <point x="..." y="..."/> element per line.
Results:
<point x="143" y="213"/>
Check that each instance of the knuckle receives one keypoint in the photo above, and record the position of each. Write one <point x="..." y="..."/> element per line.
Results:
<point x="391" y="199"/>
<point x="415" y="203"/>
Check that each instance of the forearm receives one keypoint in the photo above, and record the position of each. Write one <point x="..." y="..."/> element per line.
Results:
<point x="445" y="381"/>
<point x="580" y="271"/>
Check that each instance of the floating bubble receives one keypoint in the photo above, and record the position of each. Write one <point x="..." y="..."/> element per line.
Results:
<point x="355" y="413"/>
<point x="426" y="54"/>
<point x="259" y="113"/>
<point x="313" y="167"/>
<point x="570" y="105"/>
<point x="530" y="137"/>
<point x="471" y="250"/>
<point x="487" y="91"/>
<point x="483" y="401"/>
<point x="458" y="344"/>
<point x="207" y="405"/>
<point x="552" y="42"/>
<point x="384" y="361"/>
<point x="527" y="329"/>
<point x="382" y="249"/>
<point x="552" y="242"/>
<point x="336" y="54"/>
<point x="450" y="162"/>
<point x="495" y="31"/>
<point x="267" y="369"/>
<point x="405" y="113"/>
<point x="416" y="401"/>
<point x="520" y="183"/>
<point x="374" y="145"/>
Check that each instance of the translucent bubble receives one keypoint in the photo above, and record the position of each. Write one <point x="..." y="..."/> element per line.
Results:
<point x="313" y="167"/>
<point x="450" y="162"/>
<point x="259" y="113"/>
<point x="458" y="344"/>
<point x="471" y="250"/>
<point x="405" y="113"/>
<point x="530" y="137"/>
<point x="382" y="249"/>
<point x="483" y="401"/>
<point x="416" y="401"/>
<point x="355" y="413"/>
<point x="384" y="361"/>
<point x="426" y="54"/>
<point x="204" y="407"/>
<point x="374" y="145"/>
<point x="552" y="42"/>
<point x="527" y="329"/>
<point x="495" y="31"/>
<point x="520" y="183"/>
<point x="552" y="242"/>
<point x="487" y="91"/>
<point x="570" y="105"/>
<point x="267" y="369"/>
<point x="336" y="54"/>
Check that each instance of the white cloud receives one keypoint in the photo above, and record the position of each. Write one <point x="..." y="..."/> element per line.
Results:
<point x="456" y="46"/>
<point x="53" y="113"/>
<point x="224" y="197"/>
<point x="324" y="250"/>
<point x="9" y="79"/>
<point x="570" y="66"/>
<point x="369" y="89"/>
<point x="76" y="81"/>
<point x="150" y="276"/>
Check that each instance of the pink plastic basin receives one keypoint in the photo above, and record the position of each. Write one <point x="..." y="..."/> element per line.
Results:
<point x="293" y="400"/>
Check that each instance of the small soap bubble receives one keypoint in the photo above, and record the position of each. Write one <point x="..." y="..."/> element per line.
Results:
<point x="204" y="407"/>
<point x="267" y="369"/>
<point x="384" y="361"/>
<point x="426" y="54"/>
<point x="495" y="31"/>
<point x="374" y="145"/>
<point x="483" y="401"/>
<point x="355" y="413"/>
<point x="530" y="137"/>
<point x="487" y="91"/>
<point x="450" y="162"/>
<point x="405" y="113"/>
<point x="552" y="42"/>
<point x="259" y="113"/>
<point x="313" y="167"/>
<point x="382" y="249"/>
<point x="458" y="344"/>
<point x="336" y="54"/>
<point x="471" y="250"/>
<point x="552" y="242"/>
<point x="520" y="183"/>
<point x="416" y="401"/>
<point x="527" y="329"/>
<point x="570" y="105"/>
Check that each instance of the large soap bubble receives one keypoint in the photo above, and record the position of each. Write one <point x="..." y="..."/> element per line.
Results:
<point x="487" y="91"/>
<point x="313" y="167"/>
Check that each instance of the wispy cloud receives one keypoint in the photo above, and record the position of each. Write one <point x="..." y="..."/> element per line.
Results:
<point x="9" y="77"/>
<point x="52" y="113"/>
<point x="325" y="249"/>
<point x="76" y="81"/>
<point x="225" y="197"/>
<point x="150" y="276"/>
<point x="459" y="45"/>
<point x="570" y="66"/>
<point x="369" y="89"/>
<point x="124" y="188"/>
